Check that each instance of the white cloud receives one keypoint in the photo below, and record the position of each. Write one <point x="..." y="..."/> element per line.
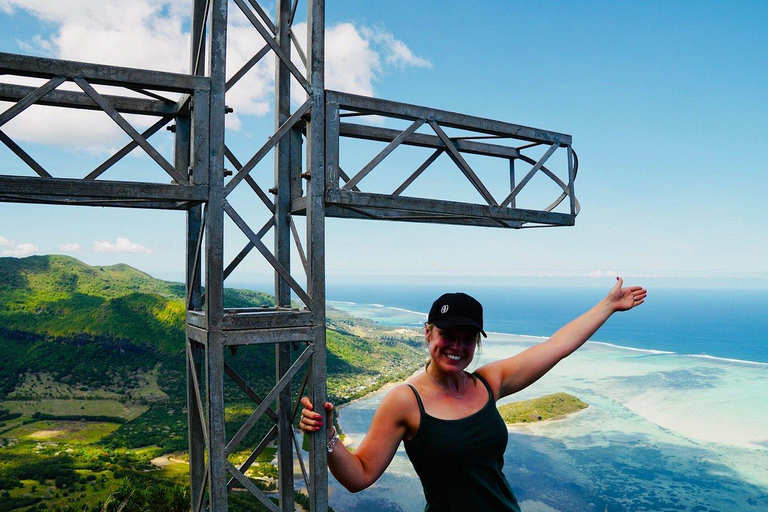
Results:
<point x="122" y="245"/>
<point x="153" y="34"/>
<point x="395" y="51"/>
<point x="87" y="131"/>
<point x="140" y="33"/>
<point x="13" y="248"/>
<point x="602" y="273"/>
<point x="351" y="63"/>
<point x="69" y="247"/>
<point x="357" y="57"/>
<point x="143" y="33"/>
<point x="253" y="93"/>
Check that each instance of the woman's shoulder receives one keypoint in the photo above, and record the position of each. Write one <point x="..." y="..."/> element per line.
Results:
<point x="400" y="393"/>
<point x="400" y="398"/>
<point x="490" y="378"/>
<point x="401" y="407"/>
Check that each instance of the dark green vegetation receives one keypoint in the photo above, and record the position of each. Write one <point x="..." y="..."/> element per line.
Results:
<point x="543" y="408"/>
<point x="93" y="385"/>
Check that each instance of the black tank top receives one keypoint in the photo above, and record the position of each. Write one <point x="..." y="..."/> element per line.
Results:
<point x="460" y="461"/>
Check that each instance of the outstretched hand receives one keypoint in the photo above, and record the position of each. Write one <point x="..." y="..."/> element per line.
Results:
<point x="622" y="299"/>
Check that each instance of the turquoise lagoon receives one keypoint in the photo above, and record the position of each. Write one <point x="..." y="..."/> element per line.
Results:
<point x="664" y="431"/>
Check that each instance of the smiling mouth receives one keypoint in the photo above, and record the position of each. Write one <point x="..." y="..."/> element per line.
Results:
<point x="453" y="357"/>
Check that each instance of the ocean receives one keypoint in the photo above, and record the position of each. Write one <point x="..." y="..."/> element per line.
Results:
<point x="677" y="417"/>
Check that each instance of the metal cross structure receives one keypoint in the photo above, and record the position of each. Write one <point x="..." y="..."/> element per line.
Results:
<point x="311" y="179"/>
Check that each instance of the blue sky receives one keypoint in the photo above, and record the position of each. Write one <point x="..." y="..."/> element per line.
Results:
<point x="666" y="103"/>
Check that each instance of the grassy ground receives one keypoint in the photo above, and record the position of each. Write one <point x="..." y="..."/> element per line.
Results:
<point x="74" y="407"/>
<point x="78" y="443"/>
<point x="92" y="487"/>
<point x="43" y="385"/>
<point x="69" y="432"/>
<point x="540" y="409"/>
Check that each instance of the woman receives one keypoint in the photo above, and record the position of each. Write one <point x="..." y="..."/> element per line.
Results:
<point x="447" y="418"/>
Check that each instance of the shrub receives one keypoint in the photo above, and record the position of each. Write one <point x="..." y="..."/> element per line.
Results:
<point x="9" y="482"/>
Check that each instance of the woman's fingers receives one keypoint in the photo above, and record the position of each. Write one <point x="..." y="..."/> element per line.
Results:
<point x="310" y="420"/>
<point x="310" y="423"/>
<point x="306" y="402"/>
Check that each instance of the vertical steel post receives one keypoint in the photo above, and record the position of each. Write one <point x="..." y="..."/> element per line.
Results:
<point x="512" y="184"/>
<point x="316" y="240"/>
<point x="196" y="151"/>
<point x="214" y="261"/>
<point x="282" y="247"/>
<point x="197" y="48"/>
<point x="196" y="426"/>
<point x="571" y="180"/>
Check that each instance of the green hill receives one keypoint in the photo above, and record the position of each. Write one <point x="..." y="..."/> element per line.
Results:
<point x="90" y="326"/>
<point x="93" y="384"/>
<point x="73" y="331"/>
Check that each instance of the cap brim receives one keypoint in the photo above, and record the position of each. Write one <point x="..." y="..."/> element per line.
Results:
<point x="458" y="321"/>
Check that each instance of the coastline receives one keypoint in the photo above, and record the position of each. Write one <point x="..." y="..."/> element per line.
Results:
<point x="693" y="332"/>
<point x="519" y="427"/>
<point x="385" y="387"/>
<point x="532" y="426"/>
<point x="345" y="438"/>
<point x="697" y="419"/>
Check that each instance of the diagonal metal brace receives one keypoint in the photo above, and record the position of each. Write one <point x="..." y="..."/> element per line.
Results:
<point x="423" y="167"/>
<point x="130" y="130"/>
<point x="101" y="169"/>
<point x="248" y="179"/>
<point x="247" y="389"/>
<point x="198" y="398"/>
<point x="271" y="436"/>
<point x="247" y="67"/>
<point x="261" y="153"/>
<point x="30" y="98"/>
<point x="463" y="165"/>
<point x="383" y="154"/>
<point x="271" y="396"/>
<point x="245" y="482"/>
<point x="24" y="156"/>
<point x="530" y="174"/>
<point x="256" y="241"/>
<point x="198" y="506"/>
<point x="245" y="250"/>
<point x="269" y="39"/>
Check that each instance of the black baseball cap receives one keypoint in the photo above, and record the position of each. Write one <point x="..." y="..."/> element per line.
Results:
<point x="456" y="309"/>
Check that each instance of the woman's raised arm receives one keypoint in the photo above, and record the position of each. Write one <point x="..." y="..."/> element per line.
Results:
<point x="520" y="371"/>
<point x="356" y="471"/>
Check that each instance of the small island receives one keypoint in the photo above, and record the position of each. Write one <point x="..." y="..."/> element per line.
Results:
<point x="547" y="407"/>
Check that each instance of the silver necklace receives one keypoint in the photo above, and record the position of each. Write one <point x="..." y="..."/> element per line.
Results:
<point x="460" y="396"/>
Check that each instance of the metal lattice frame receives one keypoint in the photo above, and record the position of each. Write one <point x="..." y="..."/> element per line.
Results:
<point x="308" y="181"/>
<point x="213" y="328"/>
<point x="510" y="142"/>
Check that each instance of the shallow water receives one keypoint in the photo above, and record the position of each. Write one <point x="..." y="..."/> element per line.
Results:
<point x="663" y="432"/>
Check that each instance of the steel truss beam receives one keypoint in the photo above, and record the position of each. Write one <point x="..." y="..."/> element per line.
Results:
<point x="308" y="181"/>
<point x="344" y="197"/>
<point x="189" y="182"/>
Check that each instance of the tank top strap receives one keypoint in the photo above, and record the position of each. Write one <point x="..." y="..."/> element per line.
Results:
<point x="487" y="386"/>
<point x="418" y="398"/>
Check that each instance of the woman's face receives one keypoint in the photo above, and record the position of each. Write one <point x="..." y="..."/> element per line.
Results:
<point x="452" y="349"/>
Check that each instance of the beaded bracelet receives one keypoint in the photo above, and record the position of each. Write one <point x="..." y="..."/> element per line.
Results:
<point x="333" y="441"/>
